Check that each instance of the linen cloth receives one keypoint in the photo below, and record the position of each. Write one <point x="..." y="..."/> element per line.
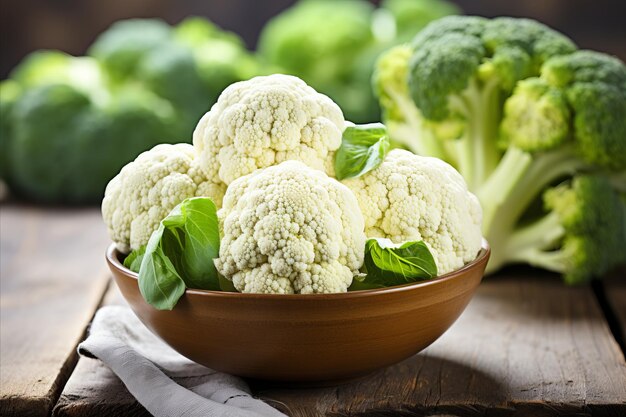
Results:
<point x="166" y="383"/>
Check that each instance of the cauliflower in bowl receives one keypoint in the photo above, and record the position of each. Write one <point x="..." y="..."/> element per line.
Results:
<point x="290" y="229"/>
<point x="411" y="197"/>
<point x="264" y="121"/>
<point x="147" y="189"/>
<point x="280" y="195"/>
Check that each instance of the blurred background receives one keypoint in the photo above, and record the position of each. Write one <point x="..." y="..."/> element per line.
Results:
<point x="67" y="125"/>
<point x="72" y="25"/>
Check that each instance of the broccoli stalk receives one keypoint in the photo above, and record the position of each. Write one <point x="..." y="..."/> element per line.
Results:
<point x="582" y="235"/>
<point x="475" y="151"/>
<point x="517" y="182"/>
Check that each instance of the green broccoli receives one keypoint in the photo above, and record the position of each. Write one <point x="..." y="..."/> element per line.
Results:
<point x="221" y="57"/>
<point x="146" y="51"/>
<point x="170" y="72"/>
<point x="39" y="167"/>
<point x="333" y="45"/>
<point x="582" y="235"/>
<point x="145" y="83"/>
<point x="413" y="15"/>
<point x="121" y="48"/>
<point x="9" y="92"/>
<point x="74" y="165"/>
<point x="319" y="41"/>
<point x="517" y="110"/>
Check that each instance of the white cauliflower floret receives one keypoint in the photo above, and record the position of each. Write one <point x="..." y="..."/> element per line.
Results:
<point x="411" y="197"/>
<point x="147" y="189"/>
<point x="264" y="121"/>
<point x="290" y="229"/>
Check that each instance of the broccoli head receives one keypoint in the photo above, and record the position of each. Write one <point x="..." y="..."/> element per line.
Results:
<point x="518" y="110"/>
<point x="121" y="48"/>
<point x="413" y="15"/>
<point x="579" y="99"/>
<point x="320" y="42"/>
<point x="170" y="72"/>
<point x="51" y="163"/>
<point x="463" y="67"/>
<point x="41" y="145"/>
<point x="220" y="57"/>
<point x="144" y="83"/>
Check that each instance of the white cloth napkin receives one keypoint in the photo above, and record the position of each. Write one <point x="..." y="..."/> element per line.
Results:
<point x="163" y="381"/>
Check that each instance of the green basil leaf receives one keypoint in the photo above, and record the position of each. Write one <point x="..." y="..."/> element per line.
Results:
<point x="159" y="282"/>
<point x="133" y="260"/>
<point x="195" y="236"/>
<point x="180" y="254"/>
<point x="363" y="148"/>
<point x="387" y="264"/>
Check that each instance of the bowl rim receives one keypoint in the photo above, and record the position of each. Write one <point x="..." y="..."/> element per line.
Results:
<point x="482" y="256"/>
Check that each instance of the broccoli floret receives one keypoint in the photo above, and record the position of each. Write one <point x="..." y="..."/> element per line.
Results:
<point x="518" y="110"/>
<point x="583" y="233"/>
<point x="320" y="41"/>
<point x="134" y="121"/>
<point x="54" y="67"/>
<point x="413" y="15"/>
<point x="41" y="145"/>
<point x="402" y="118"/>
<point x="595" y="87"/>
<point x="221" y="57"/>
<point x="121" y="47"/>
<point x="170" y="72"/>
<point x="463" y="67"/>
<point x="52" y="163"/>
<point x="195" y="31"/>
<point x="541" y="118"/>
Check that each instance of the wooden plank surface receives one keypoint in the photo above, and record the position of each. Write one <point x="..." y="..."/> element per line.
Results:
<point x="525" y="346"/>
<point x="615" y="294"/>
<point x="52" y="278"/>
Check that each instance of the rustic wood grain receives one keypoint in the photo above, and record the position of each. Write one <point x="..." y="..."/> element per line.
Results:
<point x="526" y="346"/>
<point x="93" y="390"/>
<point x="52" y="278"/>
<point x="615" y="293"/>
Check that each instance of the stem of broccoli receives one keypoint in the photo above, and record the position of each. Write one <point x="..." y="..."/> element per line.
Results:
<point x="555" y="261"/>
<point x="540" y="235"/>
<point x="412" y="133"/>
<point x="478" y="152"/>
<point x="519" y="179"/>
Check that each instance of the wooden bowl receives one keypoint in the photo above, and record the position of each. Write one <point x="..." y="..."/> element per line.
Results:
<point x="305" y="338"/>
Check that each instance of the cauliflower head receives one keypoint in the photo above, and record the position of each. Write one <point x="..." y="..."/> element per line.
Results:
<point x="147" y="189"/>
<point x="264" y="121"/>
<point x="411" y="197"/>
<point x="290" y="229"/>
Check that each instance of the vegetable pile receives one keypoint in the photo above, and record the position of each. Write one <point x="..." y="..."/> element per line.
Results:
<point x="70" y="123"/>
<point x="279" y="194"/>
<point x="536" y="127"/>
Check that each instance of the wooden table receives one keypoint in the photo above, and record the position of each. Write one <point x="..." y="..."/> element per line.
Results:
<point x="525" y="346"/>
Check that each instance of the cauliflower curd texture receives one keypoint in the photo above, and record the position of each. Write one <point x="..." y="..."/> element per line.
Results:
<point x="410" y="197"/>
<point x="290" y="229"/>
<point x="147" y="189"/>
<point x="265" y="121"/>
